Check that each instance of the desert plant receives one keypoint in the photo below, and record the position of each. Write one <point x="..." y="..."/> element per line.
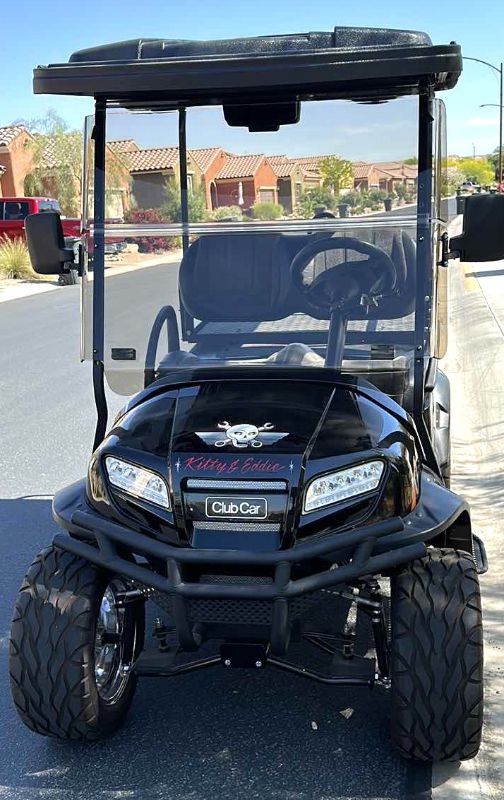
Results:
<point x="15" y="260"/>
<point x="223" y="212"/>
<point x="377" y="196"/>
<point x="352" y="198"/>
<point x="308" y="201"/>
<point x="266" y="211"/>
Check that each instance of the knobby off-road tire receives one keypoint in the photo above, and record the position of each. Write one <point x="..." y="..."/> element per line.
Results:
<point x="437" y="658"/>
<point x="52" y="649"/>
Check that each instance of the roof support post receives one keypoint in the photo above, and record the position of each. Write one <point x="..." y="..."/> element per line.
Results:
<point x="99" y="132"/>
<point x="187" y="322"/>
<point x="424" y="266"/>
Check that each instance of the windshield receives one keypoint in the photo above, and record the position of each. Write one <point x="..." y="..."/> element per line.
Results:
<point x="300" y="247"/>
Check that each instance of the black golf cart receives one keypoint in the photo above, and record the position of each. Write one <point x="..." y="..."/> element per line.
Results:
<point x="277" y="485"/>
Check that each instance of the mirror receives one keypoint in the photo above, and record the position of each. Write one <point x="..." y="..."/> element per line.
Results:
<point x="261" y="117"/>
<point x="482" y="237"/>
<point x="46" y="244"/>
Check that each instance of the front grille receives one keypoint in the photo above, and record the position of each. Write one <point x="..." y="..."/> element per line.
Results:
<point x="241" y="527"/>
<point x="232" y="611"/>
<point x="199" y="483"/>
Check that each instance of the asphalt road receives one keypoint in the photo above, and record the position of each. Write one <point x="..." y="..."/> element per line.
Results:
<point x="211" y="734"/>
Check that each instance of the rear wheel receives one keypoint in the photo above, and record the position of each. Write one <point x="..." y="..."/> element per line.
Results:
<point x="72" y="647"/>
<point x="437" y="658"/>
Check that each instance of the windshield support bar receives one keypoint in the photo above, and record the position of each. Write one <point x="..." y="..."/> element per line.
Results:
<point x="424" y="267"/>
<point x="98" y="136"/>
<point x="187" y="322"/>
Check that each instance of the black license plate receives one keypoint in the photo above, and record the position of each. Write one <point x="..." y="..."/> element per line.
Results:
<point x="236" y="507"/>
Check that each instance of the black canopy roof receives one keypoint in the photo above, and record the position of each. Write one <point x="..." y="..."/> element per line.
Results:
<point x="359" y="63"/>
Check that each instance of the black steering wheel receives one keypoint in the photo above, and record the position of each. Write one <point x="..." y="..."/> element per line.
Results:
<point x="347" y="285"/>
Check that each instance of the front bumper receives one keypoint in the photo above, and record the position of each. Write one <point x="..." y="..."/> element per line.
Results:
<point x="371" y="549"/>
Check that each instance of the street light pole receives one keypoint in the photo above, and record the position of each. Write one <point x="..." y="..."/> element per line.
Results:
<point x="500" y="131"/>
<point x="500" y="71"/>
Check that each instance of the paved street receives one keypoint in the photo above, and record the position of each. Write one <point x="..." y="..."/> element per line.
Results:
<point x="219" y="734"/>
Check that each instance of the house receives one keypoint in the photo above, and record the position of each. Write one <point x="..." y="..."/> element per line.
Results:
<point x="210" y="161"/>
<point x="395" y="173"/>
<point x="245" y="180"/>
<point x="383" y="175"/>
<point x="151" y="169"/>
<point x="367" y="176"/>
<point x="15" y="159"/>
<point x="294" y="176"/>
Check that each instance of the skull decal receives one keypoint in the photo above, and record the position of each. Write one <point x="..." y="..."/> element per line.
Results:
<point x="241" y="435"/>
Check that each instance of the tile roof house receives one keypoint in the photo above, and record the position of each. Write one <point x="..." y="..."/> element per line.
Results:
<point x="122" y="145"/>
<point x="151" y="169"/>
<point x="385" y="175"/>
<point x="245" y="180"/>
<point x="15" y="159"/>
<point x="295" y="175"/>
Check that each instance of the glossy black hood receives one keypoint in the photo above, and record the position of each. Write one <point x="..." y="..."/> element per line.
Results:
<point x="260" y="441"/>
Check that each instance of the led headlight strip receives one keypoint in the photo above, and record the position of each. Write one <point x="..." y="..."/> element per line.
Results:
<point x="343" y="484"/>
<point x="137" y="481"/>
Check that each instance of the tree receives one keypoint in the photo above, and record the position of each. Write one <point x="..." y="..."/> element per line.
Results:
<point x="57" y="164"/>
<point x="412" y="160"/>
<point x="493" y="160"/>
<point x="476" y="170"/>
<point x="171" y="209"/>
<point x="337" y="173"/>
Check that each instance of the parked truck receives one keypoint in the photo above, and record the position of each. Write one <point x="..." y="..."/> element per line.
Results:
<point x="14" y="210"/>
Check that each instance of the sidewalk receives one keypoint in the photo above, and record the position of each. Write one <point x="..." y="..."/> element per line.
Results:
<point x="16" y="289"/>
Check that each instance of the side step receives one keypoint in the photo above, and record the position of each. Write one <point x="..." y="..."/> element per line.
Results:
<point x="479" y="555"/>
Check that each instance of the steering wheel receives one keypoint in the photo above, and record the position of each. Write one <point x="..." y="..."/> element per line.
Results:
<point x="349" y="284"/>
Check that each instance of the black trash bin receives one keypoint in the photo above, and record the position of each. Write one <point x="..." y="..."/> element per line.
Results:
<point x="343" y="209"/>
<point x="387" y="203"/>
<point x="460" y="204"/>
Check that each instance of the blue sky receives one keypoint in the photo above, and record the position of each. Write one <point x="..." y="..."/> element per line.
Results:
<point x="38" y="32"/>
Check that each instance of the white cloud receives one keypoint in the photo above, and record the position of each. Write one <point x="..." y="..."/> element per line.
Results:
<point x="482" y="122"/>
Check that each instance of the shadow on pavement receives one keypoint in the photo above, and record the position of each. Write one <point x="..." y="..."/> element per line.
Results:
<point x="214" y="733"/>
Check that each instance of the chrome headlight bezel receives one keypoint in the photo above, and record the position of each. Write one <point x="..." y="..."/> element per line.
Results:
<point x="347" y="485"/>
<point x="139" y="483"/>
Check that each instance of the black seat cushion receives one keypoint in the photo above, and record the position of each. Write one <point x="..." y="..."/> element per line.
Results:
<point x="240" y="277"/>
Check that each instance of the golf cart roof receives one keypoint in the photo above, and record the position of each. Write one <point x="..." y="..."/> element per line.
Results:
<point x="366" y="64"/>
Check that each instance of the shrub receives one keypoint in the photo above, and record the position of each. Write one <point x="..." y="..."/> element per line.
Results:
<point x="308" y="201"/>
<point x="15" y="260"/>
<point x="150" y="244"/>
<point x="171" y="209"/>
<point x="266" y="211"/>
<point x="223" y="212"/>
<point x="352" y="198"/>
<point x="377" y="196"/>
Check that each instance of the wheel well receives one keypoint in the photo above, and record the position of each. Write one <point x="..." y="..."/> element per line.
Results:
<point x="458" y="535"/>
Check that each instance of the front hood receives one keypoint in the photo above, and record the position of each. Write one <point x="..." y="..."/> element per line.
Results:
<point x="226" y="445"/>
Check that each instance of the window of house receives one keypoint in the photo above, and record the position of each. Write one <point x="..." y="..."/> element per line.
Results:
<point x="267" y="195"/>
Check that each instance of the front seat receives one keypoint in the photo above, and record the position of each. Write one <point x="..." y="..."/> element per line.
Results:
<point x="239" y="277"/>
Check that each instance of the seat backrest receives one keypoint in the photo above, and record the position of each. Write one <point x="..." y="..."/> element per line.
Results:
<point x="245" y="277"/>
<point x="241" y="277"/>
<point x="402" y="250"/>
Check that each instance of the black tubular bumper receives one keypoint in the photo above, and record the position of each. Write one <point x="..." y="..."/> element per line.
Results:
<point x="373" y="549"/>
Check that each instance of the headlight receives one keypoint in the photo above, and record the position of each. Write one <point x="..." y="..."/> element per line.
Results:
<point x="343" y="484"/>
<point x="137" y="481"/>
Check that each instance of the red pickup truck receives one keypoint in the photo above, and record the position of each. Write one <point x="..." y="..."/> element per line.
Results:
<point x="14" y="210"/>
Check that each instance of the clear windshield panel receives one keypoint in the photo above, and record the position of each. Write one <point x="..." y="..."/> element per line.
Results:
<point x="293" y="236"/>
